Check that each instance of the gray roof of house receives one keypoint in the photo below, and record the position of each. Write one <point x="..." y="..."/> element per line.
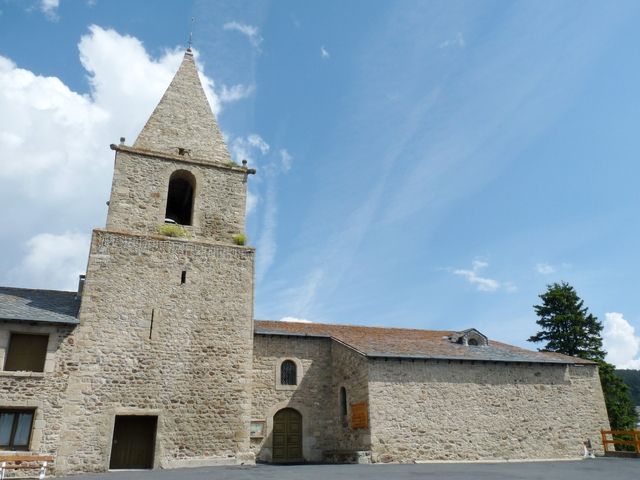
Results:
<point x="46" y="306"/>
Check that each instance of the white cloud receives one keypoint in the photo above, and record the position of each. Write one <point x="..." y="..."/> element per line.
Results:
<point x="54" y="259"/>
<point x="251" y="32"/>
<point x="252" y="201"/>
<point x="54" y="141"/>
<point x="483" y="284"/>
<point x="286" y="160"/>
<point x="267" y="246"/>
<point x="620" y="341"/>
<point x="301" y="297"/>
<point x="258" y="142"/>
<point x="236" y="92"/>
<point x="255" y="150"/>
<point x="50" y="8"/>
<point x="248" y="148"/>
<point x="295" y="320"/>
<point x="545" y="268"/>
<point x="324" y="53"/>
<point x="457" y="41"/>
<point x="60" y="130"/>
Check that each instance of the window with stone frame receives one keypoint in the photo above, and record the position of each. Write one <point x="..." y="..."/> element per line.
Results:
<point x="26" y="352"/>
<point x="288" y="373"/>
<point x="15" y="428"/>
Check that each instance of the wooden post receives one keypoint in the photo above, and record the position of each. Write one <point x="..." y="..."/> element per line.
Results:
<point x="604" y="440"/>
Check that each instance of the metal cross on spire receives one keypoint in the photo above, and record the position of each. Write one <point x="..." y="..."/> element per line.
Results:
<point x="193" y="19"/>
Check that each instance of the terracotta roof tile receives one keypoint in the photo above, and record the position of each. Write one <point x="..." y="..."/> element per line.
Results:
<point x="411" y="343"/>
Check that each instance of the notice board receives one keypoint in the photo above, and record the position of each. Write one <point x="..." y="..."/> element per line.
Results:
<point x="359" y="415"/>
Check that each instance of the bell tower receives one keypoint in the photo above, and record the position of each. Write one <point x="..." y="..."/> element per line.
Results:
<point x="165" y="340"/>
<point x="179" y="170"/>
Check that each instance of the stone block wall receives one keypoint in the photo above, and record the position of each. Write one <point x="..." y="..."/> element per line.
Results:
<point x="450" y="410"/>
<point x="351" y="371"/>
<point x="43" y="391"/>
<point x="149" y="345"/>
<point x="312" y="397"/>
<point x="139" y="196"/>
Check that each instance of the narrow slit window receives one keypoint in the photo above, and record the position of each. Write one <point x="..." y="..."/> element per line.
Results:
<point x="343" y="401"/>
<point x="288" y="373"/>
<point x="182" y="185"/>
<point x="183" y="278"/>
<point x="153" y="311"/>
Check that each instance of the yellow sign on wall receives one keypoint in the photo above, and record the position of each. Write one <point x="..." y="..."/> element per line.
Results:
<point x="359" y="415"/>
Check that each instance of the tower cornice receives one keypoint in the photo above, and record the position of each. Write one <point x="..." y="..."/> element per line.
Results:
<point x="183" y="241"/>
<point x="181" y="158"/>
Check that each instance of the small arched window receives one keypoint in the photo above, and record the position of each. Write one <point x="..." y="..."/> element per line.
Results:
<point x="343" y="401"/>
<point x="473" y="342"/>
<point x="182" y="185"/>
<point x="288" y="373"/>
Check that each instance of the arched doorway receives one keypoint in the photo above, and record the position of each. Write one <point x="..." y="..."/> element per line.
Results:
<point x="287" y="436"/>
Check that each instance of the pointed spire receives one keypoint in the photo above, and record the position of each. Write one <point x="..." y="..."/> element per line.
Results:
<point x="183" y="122"/>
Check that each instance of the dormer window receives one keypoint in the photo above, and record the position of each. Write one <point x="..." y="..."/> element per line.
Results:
<point x="182" y="185"/>
<point x="469" y="338"/>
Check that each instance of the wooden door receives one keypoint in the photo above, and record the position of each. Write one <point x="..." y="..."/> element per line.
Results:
<point x="134" y="438"/>
<point x="287" y="436"/>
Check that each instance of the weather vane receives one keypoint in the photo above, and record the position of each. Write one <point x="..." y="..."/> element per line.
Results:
<point x="191" y="32"/>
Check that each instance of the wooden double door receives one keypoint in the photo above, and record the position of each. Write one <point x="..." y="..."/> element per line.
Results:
<point x="133" y="445"/>
<point x="287" y="436"/>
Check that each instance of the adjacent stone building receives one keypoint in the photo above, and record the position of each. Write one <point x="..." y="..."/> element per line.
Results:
<point x="157" y="361"/>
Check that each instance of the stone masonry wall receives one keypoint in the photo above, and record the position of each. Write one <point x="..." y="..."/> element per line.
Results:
<point x="312" y="397"/>
<point x="190" y="366"/>
<point x="139" y="197"/>
<point x="427" y="410"/>
<point x="43" y="391"/>
<point x="350" y="370"/>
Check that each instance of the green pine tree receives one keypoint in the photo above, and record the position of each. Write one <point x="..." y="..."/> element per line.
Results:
<point x="567" y="327"/>
<point x="620" y="408"/>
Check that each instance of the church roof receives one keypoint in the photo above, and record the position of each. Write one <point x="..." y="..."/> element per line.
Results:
<point x="46" y="306"/>
<point x="183" y="121"/>
<point x="412" y="343"/>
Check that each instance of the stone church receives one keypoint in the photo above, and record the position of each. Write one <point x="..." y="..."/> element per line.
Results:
<point x="157" y="362"/>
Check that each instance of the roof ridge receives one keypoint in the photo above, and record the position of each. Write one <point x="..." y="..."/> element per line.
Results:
<point x="39" y="289"/>
<point x="359" y="326"/>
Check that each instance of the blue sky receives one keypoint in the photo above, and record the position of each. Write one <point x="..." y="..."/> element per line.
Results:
<point x="420" y="164"/>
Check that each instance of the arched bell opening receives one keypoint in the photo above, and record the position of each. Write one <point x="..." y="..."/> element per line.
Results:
<point x="182" y="185"/>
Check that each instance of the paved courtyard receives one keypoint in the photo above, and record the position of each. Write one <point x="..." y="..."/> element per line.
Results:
<point x="597" y="469"/>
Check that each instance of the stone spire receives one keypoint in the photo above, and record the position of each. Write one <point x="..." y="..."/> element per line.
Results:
<point x="183" y="123"/>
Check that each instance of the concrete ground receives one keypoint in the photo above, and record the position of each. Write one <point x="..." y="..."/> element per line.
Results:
<point x="596" y="469"/>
